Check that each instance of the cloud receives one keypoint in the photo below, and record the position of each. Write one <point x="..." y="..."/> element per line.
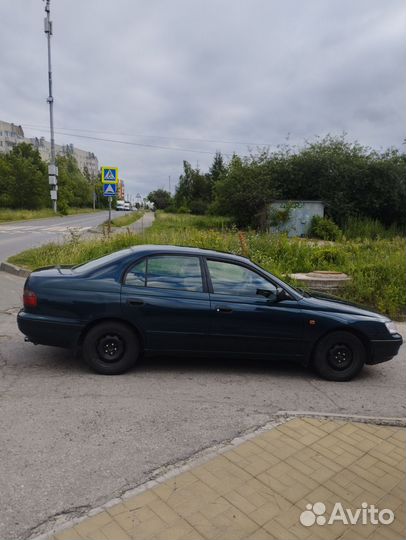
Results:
<point x="245" y="70"/>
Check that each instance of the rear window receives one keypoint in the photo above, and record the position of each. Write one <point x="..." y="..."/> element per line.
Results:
<point x="102" y="261"/>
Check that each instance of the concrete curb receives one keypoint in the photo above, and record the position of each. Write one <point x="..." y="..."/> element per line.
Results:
<point x="385" y="421"/>
<point x="15" y="270"/>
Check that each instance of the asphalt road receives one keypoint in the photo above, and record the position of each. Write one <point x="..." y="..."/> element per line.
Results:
<point x="17" y="236"/>
<point x="71" y="439"/>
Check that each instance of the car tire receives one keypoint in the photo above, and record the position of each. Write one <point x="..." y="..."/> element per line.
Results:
<point x="339" y="356"/>
<point x="111" y="348"/>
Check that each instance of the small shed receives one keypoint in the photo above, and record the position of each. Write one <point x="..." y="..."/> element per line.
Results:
<point x="294" y="217"/>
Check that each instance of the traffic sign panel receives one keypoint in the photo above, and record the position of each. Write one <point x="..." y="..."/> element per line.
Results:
<point x="109" y="190"/>
<point x="109" y="175"/>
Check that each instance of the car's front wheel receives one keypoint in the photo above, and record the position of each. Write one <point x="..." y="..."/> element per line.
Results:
<point x="339" y="356"/>
<point x="111" y="348"/>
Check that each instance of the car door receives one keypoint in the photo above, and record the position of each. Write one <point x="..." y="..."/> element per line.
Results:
<point x="166" y="298"/>
<point x="247" y="318"/>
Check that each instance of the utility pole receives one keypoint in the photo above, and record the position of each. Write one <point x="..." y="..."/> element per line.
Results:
<point x="170" y="184"/>
<point x="52" y="169"/>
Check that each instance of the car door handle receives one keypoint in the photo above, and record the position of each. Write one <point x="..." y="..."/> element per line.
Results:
<point x="135" y="302"/>
<point x="223" y="309"/>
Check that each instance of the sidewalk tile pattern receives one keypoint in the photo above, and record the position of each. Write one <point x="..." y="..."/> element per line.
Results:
<point x="258" y="489"/>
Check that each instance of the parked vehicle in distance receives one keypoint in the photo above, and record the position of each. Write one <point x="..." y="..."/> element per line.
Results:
<point x="120" y="205"/>
<point x="167" y="299"/>
<point x="127" y="206"/>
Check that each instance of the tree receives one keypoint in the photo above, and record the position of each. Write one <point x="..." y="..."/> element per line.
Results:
<point x="246" y="190"/>
<point x="101" y="200"/>
<point x="7" y="183"/>
<point x="217" y="169"/>
<point x="193" y="190"/>
<point x="73" y="187"/>
<point x="25" y="180"/>
<point x="161" y="198"/>
<point x="352" y="180"/>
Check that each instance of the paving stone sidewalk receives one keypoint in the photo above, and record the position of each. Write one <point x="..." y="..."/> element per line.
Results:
<point x="260" y="488"/>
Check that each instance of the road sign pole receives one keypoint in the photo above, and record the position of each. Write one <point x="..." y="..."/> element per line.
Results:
<point x="109" y="228"/>
<point x="109" y="178"/>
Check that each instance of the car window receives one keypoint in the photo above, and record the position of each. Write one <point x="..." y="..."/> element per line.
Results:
<point x="175" y="272"/>
<point x="229" y="278"/>
<point x="178" y="272"/>
<point x="101" y="261"/>
<point x="137" y="274"/>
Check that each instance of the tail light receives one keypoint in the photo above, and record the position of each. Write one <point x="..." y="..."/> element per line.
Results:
<point x="30" y="299"/>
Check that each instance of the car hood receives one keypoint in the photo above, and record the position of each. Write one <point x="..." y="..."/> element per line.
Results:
<point x="324" y="302"/>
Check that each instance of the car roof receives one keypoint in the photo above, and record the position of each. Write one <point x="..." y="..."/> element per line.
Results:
<point x="149" y="249"/>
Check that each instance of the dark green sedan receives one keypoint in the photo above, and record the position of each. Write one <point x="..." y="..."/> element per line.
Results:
<point x="176" y="300"/>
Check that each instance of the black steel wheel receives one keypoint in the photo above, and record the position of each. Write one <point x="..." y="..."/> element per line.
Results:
<point x="339" y="356"/>
<point x="111" y="348"/>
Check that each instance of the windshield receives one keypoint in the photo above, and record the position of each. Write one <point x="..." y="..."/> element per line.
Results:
<point x="101" y="261"/>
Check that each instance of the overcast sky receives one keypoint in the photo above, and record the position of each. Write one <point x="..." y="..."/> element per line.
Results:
<point x="203" y="75"/>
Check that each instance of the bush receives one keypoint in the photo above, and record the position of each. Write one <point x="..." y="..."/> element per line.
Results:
<point x="161" y="199"/>
<point x="198" y="206"/>
<point x="63" y="208"/>
<point x="183" y="210"/>
<point x="324" y="228"/>
<point x="171" y="209"/>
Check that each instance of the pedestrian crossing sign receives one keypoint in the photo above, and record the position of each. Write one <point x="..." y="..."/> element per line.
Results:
<point x="109" y="175"/>
<point x="109" y="190"/>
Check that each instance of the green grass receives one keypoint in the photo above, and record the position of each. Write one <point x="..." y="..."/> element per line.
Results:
<point x="129" y="218"/>
<point x="361" y="228"/>
<point x="8" y="214"/>
<point x="377" y="267"/>
<point x="184" y="222"/>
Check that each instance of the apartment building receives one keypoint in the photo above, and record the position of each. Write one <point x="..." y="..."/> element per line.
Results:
<point x="86" y="160"/>
<point x="11" y="135"/>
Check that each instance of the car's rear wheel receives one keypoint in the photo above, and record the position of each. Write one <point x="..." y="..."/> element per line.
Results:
<point x="339" y="356"/>
<point x="111" y="348"/>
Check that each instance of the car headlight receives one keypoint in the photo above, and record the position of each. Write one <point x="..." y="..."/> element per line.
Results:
<point x="391" y="326"/>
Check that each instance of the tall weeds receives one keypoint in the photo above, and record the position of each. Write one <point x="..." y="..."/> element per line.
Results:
<point x="377" y="267"/>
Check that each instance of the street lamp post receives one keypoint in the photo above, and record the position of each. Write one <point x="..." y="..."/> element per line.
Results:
<point x="52" y="169"/>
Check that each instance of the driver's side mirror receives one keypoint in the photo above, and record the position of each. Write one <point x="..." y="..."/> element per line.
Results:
<point x="282" y="294"/>
<point x="273" y="295"/>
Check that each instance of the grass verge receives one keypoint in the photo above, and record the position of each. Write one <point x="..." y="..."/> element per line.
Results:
<point x="129" y="218"/>
<point x="377" y="267"/>
<point x="8" y="214"/>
